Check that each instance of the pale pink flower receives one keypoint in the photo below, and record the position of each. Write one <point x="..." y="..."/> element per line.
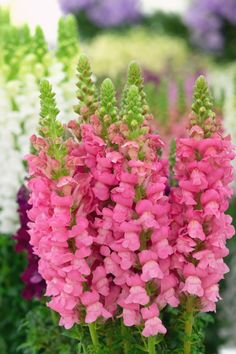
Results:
<point x="137" y="295"/>
<point x="152" y="327"/>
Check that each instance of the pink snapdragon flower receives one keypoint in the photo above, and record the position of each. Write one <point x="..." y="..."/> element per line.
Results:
<point x="102" y="230"/>
<point x="200" y="227"/>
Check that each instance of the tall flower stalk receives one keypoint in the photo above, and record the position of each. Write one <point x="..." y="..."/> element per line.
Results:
<point x="200" y="226"/>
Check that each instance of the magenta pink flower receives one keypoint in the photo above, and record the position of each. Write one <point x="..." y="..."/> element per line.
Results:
<point x="113" y="239"/>
<point x="92" y="232"/>
<point x="199" y="225"/>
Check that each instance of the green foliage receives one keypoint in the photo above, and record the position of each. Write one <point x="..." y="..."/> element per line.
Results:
<point x="167" y="23"/>
<point x="4" y="16"/>
<point x="181" y="101"/>
<point x="175" y="320"/>
<point x="12" y="306"/>
<point x="68" y="39"/>
<point x="86" y="92"/>
<point x="43" y="335"/>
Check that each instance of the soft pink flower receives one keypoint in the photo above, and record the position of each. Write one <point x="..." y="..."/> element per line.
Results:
<point x="152" y="327"/>
<point x="137" y="295"/>
<point x="193" y="286"/>
<point x="151" y="270"/>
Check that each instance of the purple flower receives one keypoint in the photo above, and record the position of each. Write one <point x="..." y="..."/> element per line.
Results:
<point x="73" y="6"/>
<point x="109" y="13"/>
<point x="34" y="284"/>
<point x="205" y="18"/>
<point x="105" y="13"/>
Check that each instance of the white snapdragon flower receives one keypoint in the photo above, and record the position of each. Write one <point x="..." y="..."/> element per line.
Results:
<point x="19" y="114"/>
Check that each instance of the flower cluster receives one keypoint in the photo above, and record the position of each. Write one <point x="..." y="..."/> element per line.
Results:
<point x="113" y="237"/>
<point x="34" y="284"/>
<point x="208" y="20"/>
<point x="25" y="59"/>
<point x="105" y="13"/>
<point x="100" y="226"/>
<point x="200" y="226"/>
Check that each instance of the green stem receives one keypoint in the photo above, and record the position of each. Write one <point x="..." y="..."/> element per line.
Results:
<point x="123" y="333"/>
<point x="54" y="318"/>
<point x="189" y="324"/>
<point x="93" y="335"/>
<point x="151" y="345"/>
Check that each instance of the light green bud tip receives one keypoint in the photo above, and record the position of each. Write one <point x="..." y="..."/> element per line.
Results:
<point x="83" y="63"/>
<point x="86" y="92"/>
<point x="134" y="74"/>
<point x="49" y="125"/>
<point x="135" y="78"/>
<point x="202" y="101"/>
<point x="133" y="110"/>
<point x="108" y="99"/>
<point x="107" y="85"/>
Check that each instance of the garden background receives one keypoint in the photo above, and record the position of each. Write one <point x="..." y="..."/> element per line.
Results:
<point x="173" y="42"/>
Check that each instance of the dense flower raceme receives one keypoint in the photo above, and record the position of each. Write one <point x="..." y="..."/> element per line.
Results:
<point x="200" y="226"/>
<point x="206" y="20"/>
<point x="19" y="85"/>
<point x="105" y="13"/>
<point x="101" y="230"/>
<point x="112" y="240"/>
<point x="34" y="284"/>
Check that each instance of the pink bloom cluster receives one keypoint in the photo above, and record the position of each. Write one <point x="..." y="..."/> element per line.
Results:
<point x="199" y="226"/>
<point x="113" y="239"/>
<point x="102" y="231"/>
